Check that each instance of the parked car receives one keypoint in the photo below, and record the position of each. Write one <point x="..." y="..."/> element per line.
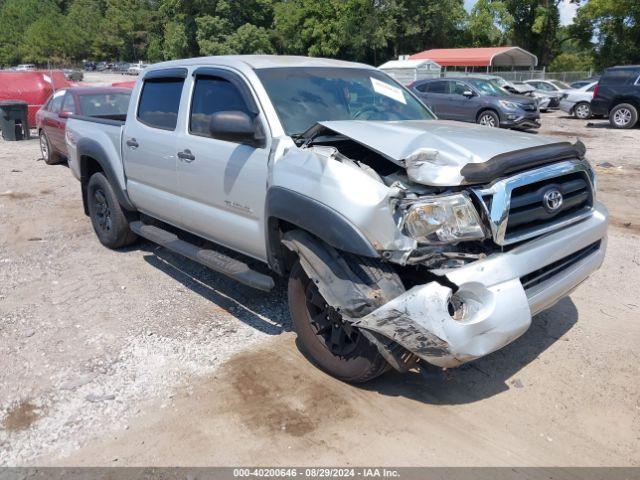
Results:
<point x="577" y="101"/>
<point x="102" y="66"/>
<point x="404" y="238"/>
<point x="585" y="82"/>
<point x="553" y="88"/>
<point x="136" y="69"/>
<point x="543" y="99"/>
<point x="89" y="66"/>
<point x="471" y="99"/>
<point x="104" y="103"/>
<point x="73" y="75"/>
<point x="617" y="96"/>
<point x="121" y="67"/>
<point x="25" y="67"/>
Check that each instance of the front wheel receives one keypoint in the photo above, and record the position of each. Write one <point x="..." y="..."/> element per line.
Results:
<point x="332" y="343"/>
<point x="489" y="118"/>
<point x="624" y="115"/>
<point x="582" y="110"/>
<point x="107" y="216"/>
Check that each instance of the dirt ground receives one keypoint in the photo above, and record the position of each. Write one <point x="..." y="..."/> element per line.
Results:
<point x="140" y="357"/>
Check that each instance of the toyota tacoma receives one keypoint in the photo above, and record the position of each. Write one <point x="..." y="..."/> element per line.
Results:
<point x="404" y="238"/>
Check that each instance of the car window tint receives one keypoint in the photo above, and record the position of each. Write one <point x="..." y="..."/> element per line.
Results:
<point x="459" y="88"/>
<point x="56" y="104"/>
<point x="437" y="87"/>
<point x="212" y="95"/>
<point x="160" y="101"/>
<point x="104" y="104"/>
<point x="618" y="77"/>
<point x="69" y="104"/>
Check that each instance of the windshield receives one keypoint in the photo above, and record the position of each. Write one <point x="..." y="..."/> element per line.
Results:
<point x="304" y="96"/>
<point x="104" y="104"/>
<point x="488" y="87"/>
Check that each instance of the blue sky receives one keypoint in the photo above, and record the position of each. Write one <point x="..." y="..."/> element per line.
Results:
<point x="567" y="10"/>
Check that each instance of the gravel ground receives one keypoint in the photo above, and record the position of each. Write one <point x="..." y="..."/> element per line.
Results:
<point x="105" y="350"/>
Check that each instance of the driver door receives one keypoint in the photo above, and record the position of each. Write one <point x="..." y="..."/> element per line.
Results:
<point x="223" y="183"/>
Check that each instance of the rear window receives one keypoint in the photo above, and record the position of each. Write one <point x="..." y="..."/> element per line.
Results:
<point x="104" y="104"/>
<point x="620" y="76"/>
<point x="160" y="102"/>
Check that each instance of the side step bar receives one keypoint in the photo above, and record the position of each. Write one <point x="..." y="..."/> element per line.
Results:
<point x="209" y="258"/>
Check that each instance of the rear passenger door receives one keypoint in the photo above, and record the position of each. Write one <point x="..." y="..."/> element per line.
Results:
<point x="223" y="183"/>
<point x="434" y="94"/>
<point x="149" y="145"/>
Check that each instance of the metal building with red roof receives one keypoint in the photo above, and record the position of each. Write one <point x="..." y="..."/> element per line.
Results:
<point x="479" y="57"/>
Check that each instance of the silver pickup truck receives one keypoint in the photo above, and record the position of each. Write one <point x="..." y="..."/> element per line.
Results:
<point x="405" y="239"/>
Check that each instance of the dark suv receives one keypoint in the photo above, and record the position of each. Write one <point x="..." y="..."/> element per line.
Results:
<point x="477" y="100"/>
<point x="617" y="96"/>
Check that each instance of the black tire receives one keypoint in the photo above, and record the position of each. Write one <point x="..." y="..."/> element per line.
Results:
<point x="49" y="156"/>
<point x="582" y="110"/>
<point x="360" y="361"/>
<point x="107" y="216"/>
<point x="623" y="116"/>
<point x="488" y="118"/>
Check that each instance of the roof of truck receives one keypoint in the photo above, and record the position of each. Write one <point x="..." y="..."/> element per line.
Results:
<point x="262" y="61"/>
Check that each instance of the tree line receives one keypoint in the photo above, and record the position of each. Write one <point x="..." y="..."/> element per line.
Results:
<point x="64" y="32"/>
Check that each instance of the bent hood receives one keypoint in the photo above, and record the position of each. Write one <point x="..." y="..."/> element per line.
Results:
<point x="444" y="153"/>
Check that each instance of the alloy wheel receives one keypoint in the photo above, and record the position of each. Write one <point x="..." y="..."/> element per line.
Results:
<point x="103" y="212"/>
<point x="44" y="146"/>
<point x="487" y="120"/>
<point x="622" y="117"/>
<point x="338" y="336"/>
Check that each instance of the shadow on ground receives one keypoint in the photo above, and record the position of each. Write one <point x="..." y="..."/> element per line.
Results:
<point x="268" y="313"/>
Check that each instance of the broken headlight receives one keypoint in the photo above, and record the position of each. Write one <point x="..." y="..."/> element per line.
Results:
<point x="447" y="219"/>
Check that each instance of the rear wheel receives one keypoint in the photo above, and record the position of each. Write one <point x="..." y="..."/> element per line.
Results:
<point x="489" y="118"/>
<point x="623" y="115"/>
<point x="49" y="156"/>
<point x="582" y="110"/>
<point x="107" y="216"/>
<point x="332" y="343"/>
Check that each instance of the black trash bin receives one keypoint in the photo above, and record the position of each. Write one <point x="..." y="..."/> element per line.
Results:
<point x="14" y="121"/>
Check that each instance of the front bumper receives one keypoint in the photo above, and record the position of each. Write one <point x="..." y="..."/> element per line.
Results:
<point x="567" y="106"/>
<point x="497" y="306"/>
<point x="520" y="119"/>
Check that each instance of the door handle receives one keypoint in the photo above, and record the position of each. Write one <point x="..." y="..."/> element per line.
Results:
<point x="186" y="156"/>
<point x="132" y="143"/>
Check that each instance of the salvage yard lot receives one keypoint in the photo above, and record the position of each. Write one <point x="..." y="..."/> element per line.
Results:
<point x="140" y="357"/>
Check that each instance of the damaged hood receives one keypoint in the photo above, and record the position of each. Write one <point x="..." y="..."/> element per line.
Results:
<point x="436" y="152"/>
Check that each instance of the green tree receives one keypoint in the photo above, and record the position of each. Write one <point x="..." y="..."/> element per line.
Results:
<point x="16" y="17"/>
<point x="211" y="35"/>
<point x="611" y="30"/>
<point x="80" y="37"/>
<point x="249" y="39"/>
<point x="44" y="42"/>
<point x="571" y="62"/>
<point x="535" y="27"/>
<point x="490" y="23"/>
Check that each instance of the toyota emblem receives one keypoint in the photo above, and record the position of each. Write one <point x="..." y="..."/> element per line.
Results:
<point x="552" y="200"/>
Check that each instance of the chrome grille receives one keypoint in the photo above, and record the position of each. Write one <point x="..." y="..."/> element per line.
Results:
<point x="527" y="211"/>
<point x="515" y="207"/>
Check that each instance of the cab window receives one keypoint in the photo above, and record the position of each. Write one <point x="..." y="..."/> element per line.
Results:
<point x="212" y="95"/>
<point x="160" y="102"/>
<point x="69" y="104"/>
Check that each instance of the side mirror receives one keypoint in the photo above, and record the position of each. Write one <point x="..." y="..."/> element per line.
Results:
<point x="65" y="114"/>
<point x="238" y="127"/>
<point x="468" y="93"/>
